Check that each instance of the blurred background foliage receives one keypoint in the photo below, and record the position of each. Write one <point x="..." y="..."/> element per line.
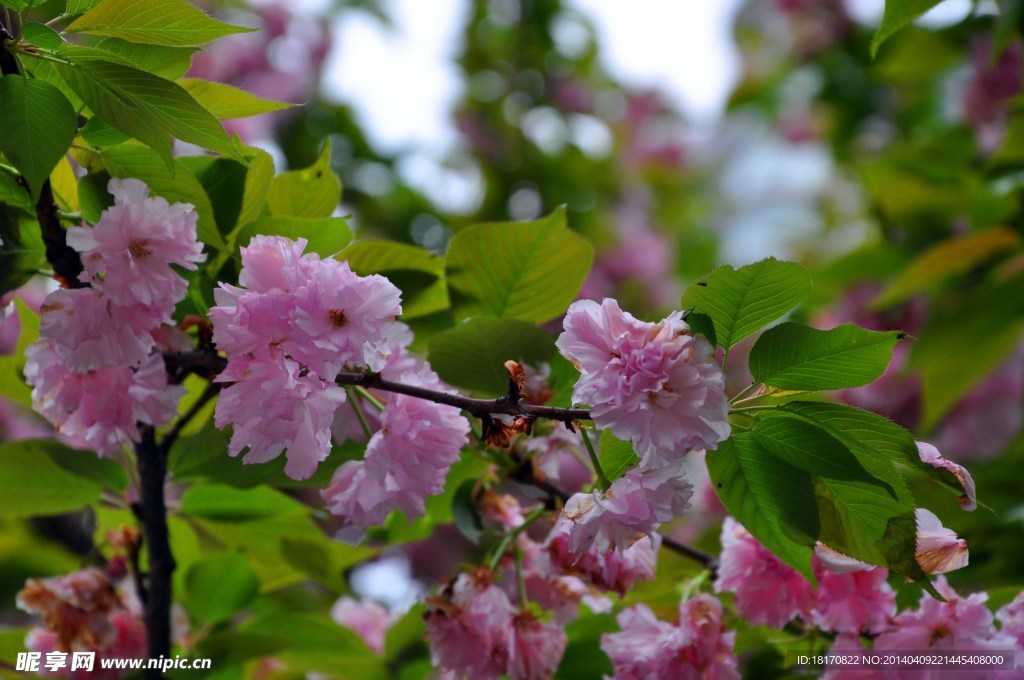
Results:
<point x="898" y="180"/>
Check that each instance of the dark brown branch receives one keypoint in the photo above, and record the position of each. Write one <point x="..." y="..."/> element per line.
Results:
<point x="152" y="466"/>
<point x="476" y="407"/>
<point x="172" y="435"/>
<point x="208" y="364"/>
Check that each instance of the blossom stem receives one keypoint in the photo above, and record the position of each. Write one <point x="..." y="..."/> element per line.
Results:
<point x="750" y="409"/>
<point x="520" y="579"/>
<point x="172" y="435"/>
<point x="365" y="394"/>
<point x="359" y="413"/>
<point x="602" y="480"/>
<point x="749" y="388"/>
<point x="502" y="548"/>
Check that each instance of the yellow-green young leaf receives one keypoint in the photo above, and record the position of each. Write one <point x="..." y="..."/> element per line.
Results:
<point x="898" y="15"/>
<point x="167" y="62"/>
<point x="311" y="192"/>
<point x="80" y="6"/>
<point x="771" y="498"/>
<point x="741" y="301"/>
<point x="473" y="354"/>
<point x="418" y="272"/>
<point x="12" y="381"/>
<point x="38" y="125"/>
<point x="793" y="356"/>
<point x="257" y="184"/>
<point x="326" y="235"/>
<point x="132" y="160"/>
<point x="226" y="102"/>
<point x="616" y="456"/>
<point x="153" y="22"/>
<point x="517" y="270"/>
<point x="953" y="256"/>
<point x="65" y="185"/>
<point x="144" y="106"/>
<point x="34" y="484"/>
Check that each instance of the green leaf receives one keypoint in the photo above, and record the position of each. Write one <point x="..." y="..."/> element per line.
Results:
<point x="167" y="62"/>
<point x="228" y="504"/>
<point x="34" y="484"/>
<point x="38" y="123"/>
<point x="12" y="382"/>
<point x="12" y="193"/>
<point x="616" y="456"/>
<point x="22" y="253"/>
<point x="100" y="135"/>
<point x="418" y="272"/>
<point x="223" y="180"/>
<point x="311" y="192"/>
<point x="257" y="184"/>
<point x="473" y="354"/>
<point x="42" y="36"/>
<point x="813" y="450"/>
<point x="154" y="22"/>
<point x="219" y="587"/>
<point x="772" y="499"/>
<point x="517" y="270"/>
<point x="741" y="301"/>
<point x="792" y="356"/>
<point x="956" y="255"/>
<point x="465" y="513"/>
<point x="131" y="160"/>
<point x="702" y="324"/>
<point x="898" y="14"/>
<point x="226" y="102"/>
<point x="326" y="235"/>
<point x="317" y="644"/>
<point x="144" y="106"/>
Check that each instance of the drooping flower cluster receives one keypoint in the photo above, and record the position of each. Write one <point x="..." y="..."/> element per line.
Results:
<point x="656" y="384"/>
<point x="292" y="325"/>
<point x="408" y="458"/>
<point x="92" y="370"/>
<point x="475" y="631"/>
<point x="696" y="646"/>
<point x="83" y="611"/>
<point x="852" y="597"/>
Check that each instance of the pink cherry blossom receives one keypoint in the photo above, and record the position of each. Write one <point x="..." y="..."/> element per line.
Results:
<point x="275" y="409"/>
<point x="853" y="602"/>
<point x="358" y="498"/>
<point x="939" y="550"/>
<point x="958" y="624"/>
<point x="90" y="331"/>
<point x="341" y="318"/>
<point x="697" y="646"/>
<point x="768" y="592"/>
<point x="275" y="263"/>
<point x="930" y="455"/>
<point x="129" y="253"/>
<point x="536" y="648"/>
<point x="368" y="619"/>
<point x="1011" y="619"/>
<point x="248" y="323"/>
<point x="470" y="626"/>
<point x="632" y="507"/>
<point x="656" y="384"/>
<point x="616" y="570"/>
<point x="99" y="407"/>
<point x="560" y="457"/>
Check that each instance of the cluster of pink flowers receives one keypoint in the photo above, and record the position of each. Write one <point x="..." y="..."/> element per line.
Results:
<point x="656" y="384"/>
<point x="475" y="631"/>
<point x="407" y="459"/>
<point x="696" y="646"/>
<point x="295" y="321"/>
<point x="92" y="371"/>
<point x="956" y="625"/>
<point x="84" y="611"/>
<point x="852" y="597"/>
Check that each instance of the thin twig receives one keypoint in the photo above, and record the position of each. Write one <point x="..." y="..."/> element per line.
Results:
<point x="172" y="435"/>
